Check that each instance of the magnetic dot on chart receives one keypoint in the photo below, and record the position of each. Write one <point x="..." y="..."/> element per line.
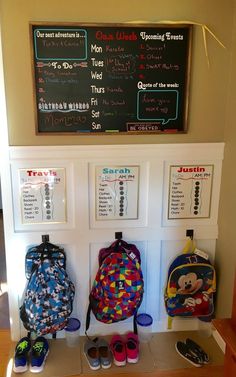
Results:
<point x="197" y="183"/>
<point x="195" y="207"/>
<point x="47" y="206"/>
<point x="48" y="212"/>
<point x="195" y="212"/>
<point x="47" y="197"/>
<point x="196" y="195"/>
<point x="48" y="217"/>
<point x="121" y="192"/>
<point x="121" y="183"/>
<point x="121" y="214"/>
<point x="122" y="197"/>
<point x="47" y="202"/>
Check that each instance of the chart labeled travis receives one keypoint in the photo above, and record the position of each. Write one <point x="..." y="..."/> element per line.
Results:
<point x="117" y="190"/>
<point x="43" y="197"/>
<point x="190" y="188"/>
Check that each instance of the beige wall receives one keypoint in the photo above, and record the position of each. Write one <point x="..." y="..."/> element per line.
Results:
<point x="226" y="245"/>
<point x="208" y="86"/>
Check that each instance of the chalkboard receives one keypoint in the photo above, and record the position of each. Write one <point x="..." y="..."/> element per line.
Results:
<point x="110" y="79"/>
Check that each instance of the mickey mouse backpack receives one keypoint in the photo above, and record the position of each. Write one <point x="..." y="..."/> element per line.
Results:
<point x="191" y="284"/>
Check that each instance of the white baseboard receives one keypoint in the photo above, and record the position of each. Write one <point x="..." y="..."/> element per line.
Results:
<point x="219" y="340"/>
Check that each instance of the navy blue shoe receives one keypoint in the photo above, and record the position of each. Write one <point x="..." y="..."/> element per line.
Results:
<point x="39" y="354"/>
<point x="184" y="351"/>
<point x="197" y="350"/>
<point x="21" y="355"/>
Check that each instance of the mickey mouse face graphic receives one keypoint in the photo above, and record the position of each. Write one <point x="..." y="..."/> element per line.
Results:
<point x="189" y="283"/>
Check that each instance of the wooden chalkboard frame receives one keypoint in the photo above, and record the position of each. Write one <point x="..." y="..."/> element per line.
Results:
<point x="167" y="100"/>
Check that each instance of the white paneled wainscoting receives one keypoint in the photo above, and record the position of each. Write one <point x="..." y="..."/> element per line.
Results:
<point x="84" y="214"/>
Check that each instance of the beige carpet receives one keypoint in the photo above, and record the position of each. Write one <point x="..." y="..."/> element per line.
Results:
<point x="165" y="356"/>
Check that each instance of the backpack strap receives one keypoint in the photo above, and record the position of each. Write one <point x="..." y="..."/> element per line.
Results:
<point x="169" y="323"/>
<point x="189" y="247"/>
<point x="88" y="323"/>
<point x="135" y="328"/>
<point x="88" y="319"/>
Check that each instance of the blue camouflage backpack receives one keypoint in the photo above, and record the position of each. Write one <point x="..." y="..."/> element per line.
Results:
<point x="48" y="299"/>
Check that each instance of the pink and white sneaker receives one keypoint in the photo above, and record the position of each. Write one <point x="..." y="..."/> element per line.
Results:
<point x="132" y="348"/>
<point x="117" y="347"/>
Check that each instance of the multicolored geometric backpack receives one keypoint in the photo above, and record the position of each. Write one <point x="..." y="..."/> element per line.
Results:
<point x="118" y="287"/>
<point x="191" y="284"/>
<point x="48" y="298"/>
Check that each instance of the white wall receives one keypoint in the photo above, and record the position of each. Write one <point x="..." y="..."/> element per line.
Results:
<point x="82" y="235"/>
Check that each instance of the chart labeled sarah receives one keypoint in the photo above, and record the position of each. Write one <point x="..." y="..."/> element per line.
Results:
<point x="117" y="192"/>
<point x="43" y="195"/>
<point x="190" y="188"/>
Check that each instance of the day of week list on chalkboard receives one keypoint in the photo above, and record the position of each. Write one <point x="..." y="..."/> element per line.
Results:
<point x="111" y="79"/>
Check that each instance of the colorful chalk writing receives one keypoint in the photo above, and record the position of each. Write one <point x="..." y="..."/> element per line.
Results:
<point x="111" y="78"/>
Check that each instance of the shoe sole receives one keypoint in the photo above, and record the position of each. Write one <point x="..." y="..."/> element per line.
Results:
<point x="184" y="357"/>
<point x="39" y="369"/>
<point x="90" y="366"/>
<point x="132" y="361"/>
<point x="120" y="363"/>
<point x="105" y="366"/>
<point x="20" y="369"/>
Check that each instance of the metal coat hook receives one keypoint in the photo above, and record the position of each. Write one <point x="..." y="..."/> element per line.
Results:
<point x="45" y="238"/>
<point x="118" y="235"/>
<point x="189" y="233"/>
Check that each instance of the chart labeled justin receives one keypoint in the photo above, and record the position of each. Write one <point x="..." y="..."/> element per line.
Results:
<point x="117" y="191"/>
<point x="190" y="188"/>
<point x="43" y="195"/>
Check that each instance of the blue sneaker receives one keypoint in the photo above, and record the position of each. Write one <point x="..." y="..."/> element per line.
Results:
<point x="39" y="354"/>
<point x="21" y="355"/>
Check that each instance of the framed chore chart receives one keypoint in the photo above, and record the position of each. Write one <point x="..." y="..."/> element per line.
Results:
<point x="190" y="190"/>
<point x="117" y="189"/>
<point x="43" y="195"/>
<point x="111" y="78"/>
